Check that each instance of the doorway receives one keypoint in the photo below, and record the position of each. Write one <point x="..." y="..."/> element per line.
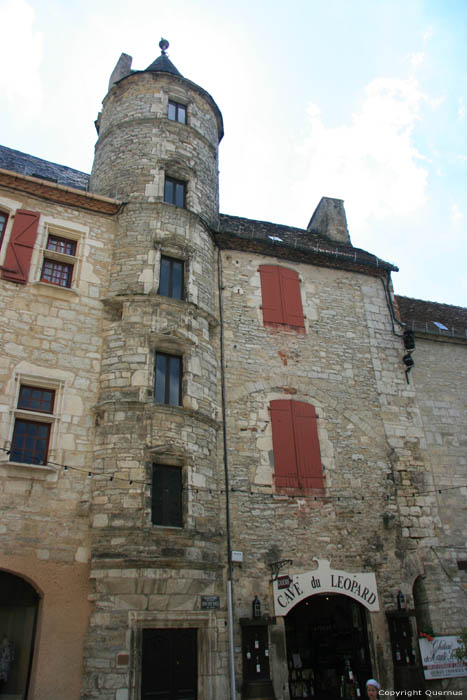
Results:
<point x="327" y="648"/>
<point x="169" y="664"/>
<point x="18" y="613"/>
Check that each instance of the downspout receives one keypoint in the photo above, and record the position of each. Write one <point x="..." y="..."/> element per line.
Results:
<point x="227" y="487"/>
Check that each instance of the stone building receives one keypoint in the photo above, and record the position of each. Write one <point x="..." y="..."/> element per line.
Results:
<point x="199" y="411"/>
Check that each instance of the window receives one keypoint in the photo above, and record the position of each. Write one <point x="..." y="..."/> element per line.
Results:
<point x="168" y="385"/>
<point x="281" y="298"/>
<point x="177" y="112"/>
<point x="297" y="457"/>
<point x="20" y="246"/>
<point x="166" y="506"/>
<point x="57" y="270"/>
<point x="30" y="441"/>
<point x="3" y="223"/>
<point x="171" y="278"/>
<point x="174" y="192"/>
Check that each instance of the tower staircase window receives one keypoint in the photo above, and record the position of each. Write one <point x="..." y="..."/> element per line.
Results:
<point x="168" y="387"/>
<point x="174" y="192"/>
<point x="171" y="278"/>
<point x="177" y="112"/>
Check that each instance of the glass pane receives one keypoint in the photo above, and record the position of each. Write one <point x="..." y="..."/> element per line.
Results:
<point x="172" y="111"/>
<point x="165" y="276"/>
<point x="174" y="396"/>
<point x="177" y="279"/>
<point x="169" y="191"/>
<point x="180" y="194"/>
<point x="182" y="114"/>
<point x="160" y="378"/>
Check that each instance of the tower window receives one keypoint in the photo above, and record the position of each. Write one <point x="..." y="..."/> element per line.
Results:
<point x="177" y="112"/>
<point x="171" y="278"/>
<point x="166" y="506"/>
<point x="168" y="388"/>
<point x="174" y="192"/>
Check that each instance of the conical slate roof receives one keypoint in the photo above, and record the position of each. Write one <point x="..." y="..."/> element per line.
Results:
<point x="163" y="63"/>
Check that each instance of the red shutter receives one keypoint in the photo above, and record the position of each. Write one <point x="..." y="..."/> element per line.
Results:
<point x="271" y="294"/>
<point x="18" y="254"/>
<point x="285" y="465"/>
<point x="310" y="473"/>
<point x="291" y="297"/>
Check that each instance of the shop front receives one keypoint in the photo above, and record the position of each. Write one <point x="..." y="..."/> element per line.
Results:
<point x="325" y="615"/>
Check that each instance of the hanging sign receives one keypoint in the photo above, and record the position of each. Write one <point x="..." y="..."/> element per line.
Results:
<point x="360" y="587"/>
<point x="284" y="581"/>
<point x="439" y="658"/>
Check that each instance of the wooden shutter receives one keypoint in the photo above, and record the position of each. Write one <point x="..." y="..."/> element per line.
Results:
<point x="18" y="254"/>
<point x="310" y="473"/>
<point x="167" y="496"/>
<point x="285" y="460"/>
<point x="271" y="294"/>
<point x="291" y="297"/>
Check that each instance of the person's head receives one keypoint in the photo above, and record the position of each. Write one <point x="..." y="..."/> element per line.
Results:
<point x="372" y="688"/>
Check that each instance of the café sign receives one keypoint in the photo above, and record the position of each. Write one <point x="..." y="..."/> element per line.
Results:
<point x="361" y="587"/>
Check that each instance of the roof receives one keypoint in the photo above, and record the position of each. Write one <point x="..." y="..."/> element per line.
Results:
<point x="294" y="243"/>
<point x="23" y="163"/>
<point x="164" y="65"/>
<point x="429" y="317"/>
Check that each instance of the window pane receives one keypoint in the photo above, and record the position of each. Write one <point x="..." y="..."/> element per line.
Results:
<point x="174" y="396"/>
<point x="36" y="399"/>
<point x="180" y="194"/>
<point x="172" y="111"/>
<point x="30" y="442"/>
<point x="177" y="280"/>
<point x="182" y="114"/>
<point x="61" y="245"/>
<point x="165" y="277"/>
<point x="169" y="191"/>
<point x="160" y="378"/>
<point x="57" y="273"/>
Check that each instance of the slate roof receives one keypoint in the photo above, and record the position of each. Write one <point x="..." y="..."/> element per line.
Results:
<point x="293" y="243"/>
<point x="421" y="315"/>
<point x="23" y="163"/>
<point x="164" y="65"/>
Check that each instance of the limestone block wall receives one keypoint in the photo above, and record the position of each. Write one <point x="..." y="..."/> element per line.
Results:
<point x="440" y="381"/>
<point x="348" y="364"/>
<point x="138" y="144"/>
<point x="52" y="337"/>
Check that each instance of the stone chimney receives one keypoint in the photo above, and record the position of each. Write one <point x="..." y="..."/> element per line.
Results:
<point x="122" y="69"/>
<point x="329" y="220"/>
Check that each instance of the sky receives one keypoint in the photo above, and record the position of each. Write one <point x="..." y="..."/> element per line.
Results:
<point x="361" y="100"/>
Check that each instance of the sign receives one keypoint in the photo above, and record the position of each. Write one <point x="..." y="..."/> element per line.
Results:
<point x="439" y="658"/>
<point x="284" y="582"/>
<point x="360" y="587"/>
<point x="210" y="602"/>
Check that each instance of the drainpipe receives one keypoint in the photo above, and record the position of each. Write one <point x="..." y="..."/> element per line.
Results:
<point x="227" y="494"/>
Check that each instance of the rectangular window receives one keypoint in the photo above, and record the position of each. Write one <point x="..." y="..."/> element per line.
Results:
<point x="57" y="268"/>
<point x="177" y="112"/>
<point x="166" y="507"/>
<point x="57" y="273"/>
<point x="281" y="297"/>
<point x="297" y="457"/>
<point x="174" y="192"/>
<point x="30" y="441"/>
<point x="168" y="384"/>
<point x="3" y="223"/>
<point x="171" y="278"/>
<point x="61" y="245"/>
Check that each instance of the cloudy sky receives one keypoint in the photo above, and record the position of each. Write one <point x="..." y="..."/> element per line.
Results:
<point x="362" y="100"/>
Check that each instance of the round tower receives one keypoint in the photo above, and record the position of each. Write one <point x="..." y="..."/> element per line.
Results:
<point x="157" y="489"/>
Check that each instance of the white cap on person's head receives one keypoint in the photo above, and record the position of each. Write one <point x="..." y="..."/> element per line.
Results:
<point x="372" y="681"/>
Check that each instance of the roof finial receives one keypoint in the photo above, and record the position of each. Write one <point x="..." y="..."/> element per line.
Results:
<point x="163" y="45"/>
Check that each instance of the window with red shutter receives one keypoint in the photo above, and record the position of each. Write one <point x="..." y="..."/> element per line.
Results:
<point x="281" y="297"/>
<point x="19" y="251"/>
<point x="297" y="457"/>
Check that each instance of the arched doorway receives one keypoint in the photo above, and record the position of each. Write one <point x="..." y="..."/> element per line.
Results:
<point x="18" y="614"/>
<point x="327" y="648"/>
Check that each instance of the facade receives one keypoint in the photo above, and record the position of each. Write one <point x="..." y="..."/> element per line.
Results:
<point x="199" y="411"/>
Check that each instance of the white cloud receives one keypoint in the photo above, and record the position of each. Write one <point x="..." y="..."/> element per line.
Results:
<point x="20" y="59"/>
<point x="456" y="215"/>
<point x="371" y="162"/>
<point x="461" y="109"/>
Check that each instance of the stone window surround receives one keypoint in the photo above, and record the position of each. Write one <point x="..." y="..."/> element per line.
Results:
<point x="61" y="229"/>
<point x="178" y="251"/>
<point x="166" y="455"/>
<point x="53" y="419"/>
<point x="170" y="345"/>
<point x="204" y="621"/>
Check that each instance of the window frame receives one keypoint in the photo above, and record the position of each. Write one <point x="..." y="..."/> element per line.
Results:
<point x="62" y="264"/>
<point x="172" y="261"/>
<point x="3" y="215"/>
<point x="178" y="107"/>
<point x="173" y="500"/>
<point x="28" y="415"/>
<point x="167" y="389"/>
<point x="174" y="183"/>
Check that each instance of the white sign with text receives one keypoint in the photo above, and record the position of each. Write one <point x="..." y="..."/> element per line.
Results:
<point x="439" y="658"/>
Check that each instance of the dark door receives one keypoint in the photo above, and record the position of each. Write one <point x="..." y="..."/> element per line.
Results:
<point x="255" y="653"/>
<point x="169" y="667"/>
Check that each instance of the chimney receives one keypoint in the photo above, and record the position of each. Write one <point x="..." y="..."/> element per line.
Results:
<point x="329" y="220"/>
